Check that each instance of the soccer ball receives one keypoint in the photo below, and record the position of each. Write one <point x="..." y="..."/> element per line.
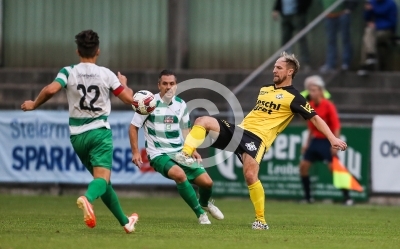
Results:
<point x="144" y="102"/>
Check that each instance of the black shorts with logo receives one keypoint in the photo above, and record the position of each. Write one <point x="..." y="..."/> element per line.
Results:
<point x="242" y="142"/>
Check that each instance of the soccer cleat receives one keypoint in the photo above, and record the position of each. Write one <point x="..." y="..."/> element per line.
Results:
<point x="371" y="60"/>
<point x="307" y="201"/>
<point x="349" y="202"/>
<point x="130" y="226"/>
<point x="345" y="67"/>
<point x="184" y="159"/>
<point x="325" y="69"/>
<point x="214" y="211"/>
<point x="362" y="72"/>
<point x="88" y="213"/>
<point x="203" y="219"/>
<point x="258" y="225"/>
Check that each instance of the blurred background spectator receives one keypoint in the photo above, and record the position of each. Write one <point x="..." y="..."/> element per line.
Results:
<point x="336" y="22"/>
<point x="293" y="15"/>
<point x="317" y="147"/>
<point x="381" y="22"/>
<point x="314" y="79"/>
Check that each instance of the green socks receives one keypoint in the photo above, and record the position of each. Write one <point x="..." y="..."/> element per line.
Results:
<point x="110" y="199"/>
<point x="96" y="188"/>
<point x="99" y="188"/>
<point x="204" y="196"/>
<point x="189" y="196"/>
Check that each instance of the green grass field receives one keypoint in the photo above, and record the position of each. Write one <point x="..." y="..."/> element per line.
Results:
<point x="55" y="222"/>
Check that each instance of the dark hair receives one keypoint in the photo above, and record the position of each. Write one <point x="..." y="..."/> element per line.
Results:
<point x="88" y="43"/>
<point x="166" y="72"/>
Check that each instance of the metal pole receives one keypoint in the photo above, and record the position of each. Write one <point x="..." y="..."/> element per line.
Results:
<point x="290" y="43"/>
<point x="177" y="34"/>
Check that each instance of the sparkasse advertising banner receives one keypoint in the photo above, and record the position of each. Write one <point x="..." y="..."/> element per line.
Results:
<point x="279" y="171"/>
<point x="386" y="154"/>
<point x="35" y="147"/>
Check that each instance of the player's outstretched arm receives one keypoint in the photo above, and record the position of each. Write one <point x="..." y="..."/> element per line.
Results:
<point x="323" y="127"/>
<point x="126" y="95"/>
<point x="45" y="94"/>
<point x="133" y="139"/>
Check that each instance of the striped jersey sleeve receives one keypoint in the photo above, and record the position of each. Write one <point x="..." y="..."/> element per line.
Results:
<point x="138" y="120"/>
<point x="62" y="76"/>
<point x="115" y="85"/>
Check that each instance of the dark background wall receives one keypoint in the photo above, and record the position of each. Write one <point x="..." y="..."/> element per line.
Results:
<point x="221" y="34"/>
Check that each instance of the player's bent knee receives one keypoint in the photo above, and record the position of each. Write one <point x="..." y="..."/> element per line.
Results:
<point x="250" y="177"/>
<point x="203" y="181"/>
<point x="201" y="121"/>
<point x="177" y="174"/>
<point x="208" y="184"/>
<point x="207" y="122"/>
<point x="179" y="178"/>
<point x="101" y="172"/>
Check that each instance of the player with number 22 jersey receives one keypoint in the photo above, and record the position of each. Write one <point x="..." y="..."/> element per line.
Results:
<point x="84" y="82"/>
<point x="88" y="89"/>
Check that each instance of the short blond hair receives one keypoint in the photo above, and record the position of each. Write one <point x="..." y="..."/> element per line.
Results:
<point x="292" y="61"/>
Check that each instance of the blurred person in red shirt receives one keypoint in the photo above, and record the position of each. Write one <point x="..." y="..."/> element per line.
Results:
<point x="317" y="147"/>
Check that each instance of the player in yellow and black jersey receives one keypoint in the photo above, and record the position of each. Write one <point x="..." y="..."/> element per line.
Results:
<point x="275" y="107"/>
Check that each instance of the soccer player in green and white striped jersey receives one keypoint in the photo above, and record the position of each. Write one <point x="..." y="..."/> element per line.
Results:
<point x="88" y="89"/>
<point x="163" y="129"/>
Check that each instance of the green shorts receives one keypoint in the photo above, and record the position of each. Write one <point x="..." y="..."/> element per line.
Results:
<point x="162" y="164"/>
<point x="94" y="148"/>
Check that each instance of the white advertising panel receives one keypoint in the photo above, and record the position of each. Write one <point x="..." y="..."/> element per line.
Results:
<point x="35" y="147"/>
<point x="386" y="154"/>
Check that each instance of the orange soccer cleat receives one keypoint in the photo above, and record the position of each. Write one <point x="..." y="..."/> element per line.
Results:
<point x="88" y="213"/>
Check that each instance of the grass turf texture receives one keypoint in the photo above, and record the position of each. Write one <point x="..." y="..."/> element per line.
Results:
<point x="55" y="222"/>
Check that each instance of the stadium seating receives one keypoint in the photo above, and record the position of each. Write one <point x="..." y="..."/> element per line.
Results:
<point x="375" y="94"/>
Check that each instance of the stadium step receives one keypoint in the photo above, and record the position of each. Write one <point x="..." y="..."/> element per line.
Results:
<point x="364" y="97"/>
<point x="377" y="93"/>
<point x="375" y="80"/>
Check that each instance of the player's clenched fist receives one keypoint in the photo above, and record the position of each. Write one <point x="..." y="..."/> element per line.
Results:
<point x="28" y="105"/>
<point x="137" y="159"/>
<point x="338" y="144"/>
<point x="122" y="79"/>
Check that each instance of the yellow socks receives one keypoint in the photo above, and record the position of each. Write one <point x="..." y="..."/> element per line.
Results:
<point x="194" y="139"/>
<point x="257" y="196"/>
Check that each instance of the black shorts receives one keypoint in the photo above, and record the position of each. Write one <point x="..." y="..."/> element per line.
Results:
<point x="319" y="150"/>
<point x="242" y="142"/>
